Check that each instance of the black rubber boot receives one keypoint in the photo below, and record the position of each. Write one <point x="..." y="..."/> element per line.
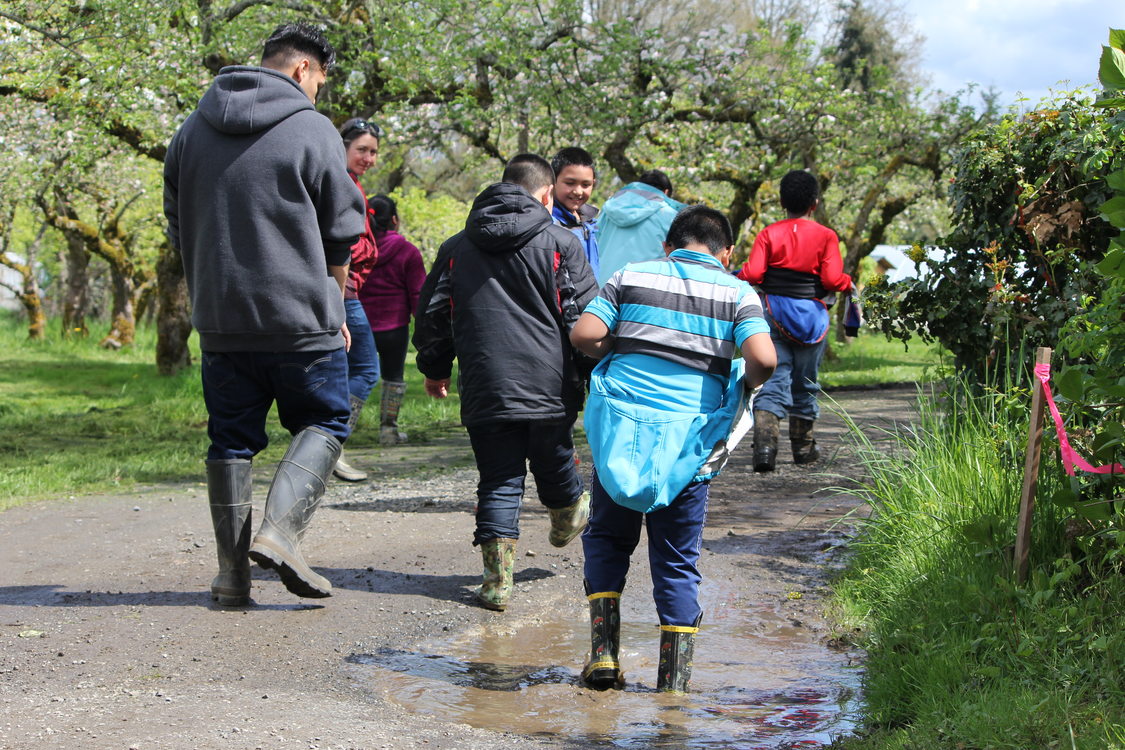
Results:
<point x="677" y="647"/>
<point x="603" y="669"/>
<point x="344" y="470"/>
<point x="297" y="489"/>
<point x="801" y="440"/>
<point x="228" y="490"/>
<point x="767" y="431"/>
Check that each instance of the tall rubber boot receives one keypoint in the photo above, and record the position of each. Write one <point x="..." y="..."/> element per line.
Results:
<point x="393" y="395"/>
<point x="567" y="523"/>
<point x="801" y="440"/>
<point x="603" y="667"/>
<point x="499" y="556"/>
<point x="767" y="431"/>
<point x="229" y="493"/>
<point x="345" y="470"/>
<point x="677" y="647"/>
<point x="295" y="494"/>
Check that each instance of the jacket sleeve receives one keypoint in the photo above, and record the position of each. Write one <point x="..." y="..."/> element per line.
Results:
<point x="574" y="280"/>
<point x="172" y="191"/>
<point x="832" y="274"/>
<point x="414" y="274"/>
<point x="433" y="318"/>
<point x="754" y="269"/>
<point x="340" y="207"/>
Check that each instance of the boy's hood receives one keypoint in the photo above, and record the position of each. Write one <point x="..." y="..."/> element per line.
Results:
<point x="504" y="218"/>
<point x="244" y="99"/>
<point x="634" y="203"/>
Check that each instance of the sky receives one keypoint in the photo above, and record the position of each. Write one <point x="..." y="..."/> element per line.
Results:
<point x="1021" y="47"/>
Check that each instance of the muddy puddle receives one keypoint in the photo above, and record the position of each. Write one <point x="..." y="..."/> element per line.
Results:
<point x="760" y="681"/>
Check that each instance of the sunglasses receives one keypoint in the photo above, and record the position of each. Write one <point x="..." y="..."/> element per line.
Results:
<point x="363" y="126"/>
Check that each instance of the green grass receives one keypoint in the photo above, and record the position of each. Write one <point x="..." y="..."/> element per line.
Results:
<point x="76" y="419"/>
<point x="870" y="359"/>
<point x="958" y="655"/>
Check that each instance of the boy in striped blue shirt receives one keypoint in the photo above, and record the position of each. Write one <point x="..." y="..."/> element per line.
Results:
<point x="666" y="331"/>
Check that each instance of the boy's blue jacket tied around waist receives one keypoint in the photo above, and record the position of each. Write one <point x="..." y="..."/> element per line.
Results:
<point x="645" y="456"/>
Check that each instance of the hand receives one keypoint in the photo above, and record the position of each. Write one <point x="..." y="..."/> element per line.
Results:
<point x="347" y="337"/>
<point x="437" y="388"/>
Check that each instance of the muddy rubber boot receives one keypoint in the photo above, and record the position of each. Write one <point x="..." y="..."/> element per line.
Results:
<point x="228" y="491"/>
<point x="393" y="395"/>
<point x="499" y="556"/>
<point x="567" y="523"/>
<point x="345" y="470"/>
<point x="603" y="668"/>
<point x="767" y="431"/>
<point x="677" y="647"/>
<point x="297" y="489"/>
<point x="801" y="440"/>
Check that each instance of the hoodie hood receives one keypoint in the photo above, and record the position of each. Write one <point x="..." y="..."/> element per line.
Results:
<point x="244" y="99"/>
<point x="635" y="203"/>
<point x="504" y="218"/>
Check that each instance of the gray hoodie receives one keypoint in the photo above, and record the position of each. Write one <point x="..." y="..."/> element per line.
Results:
<point x="259" y="203"/>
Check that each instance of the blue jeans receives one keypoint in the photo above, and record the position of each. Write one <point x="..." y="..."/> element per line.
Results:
<point x="503" y="451"/>
<point x="793" y="387"/>
<point x="675" y="534"/>
<point x="310" y="388"/>
<point x="363" y="362"/>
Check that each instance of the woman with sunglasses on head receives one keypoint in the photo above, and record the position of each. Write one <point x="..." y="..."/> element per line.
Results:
<point x="361" y="144"/>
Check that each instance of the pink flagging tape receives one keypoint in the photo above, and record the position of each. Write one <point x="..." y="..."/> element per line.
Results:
<point x="1069" y="457"/>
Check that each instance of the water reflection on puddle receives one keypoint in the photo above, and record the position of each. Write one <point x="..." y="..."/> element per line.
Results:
<point x="758" y="682"/>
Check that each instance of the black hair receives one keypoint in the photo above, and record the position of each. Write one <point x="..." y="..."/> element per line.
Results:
<point x="703" y="225"/>
<point x="530" y="171"/>
<point x="356" y="126"/>
<point x="657" y="179"/>
<point x="799" y="191"/>
<point x="383" y="211"/>
<point x="292" y="39"/>
<point x="572" y="156"/>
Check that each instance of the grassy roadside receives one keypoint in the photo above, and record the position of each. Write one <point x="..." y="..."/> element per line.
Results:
<point x="958" y="655"/>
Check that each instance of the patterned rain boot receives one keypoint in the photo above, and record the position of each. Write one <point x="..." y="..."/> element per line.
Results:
<point x="603" y="669"/>
<point x="297" y="489"/>
<point x="801" y="440"/>
<point x="567" y="523"/>
<point x="499" y="556"/>
<point x="345" y="470"/>
<point x="393" y="395"/>
<point x="767" y="431"/>
<point x="677" y="647"/>
<point x="228" y="491"/>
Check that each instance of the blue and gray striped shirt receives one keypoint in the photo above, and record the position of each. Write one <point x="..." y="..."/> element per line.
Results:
<point x="678" y="322"/>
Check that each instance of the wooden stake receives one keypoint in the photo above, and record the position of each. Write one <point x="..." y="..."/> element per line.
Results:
<point x="1030" y="469"/>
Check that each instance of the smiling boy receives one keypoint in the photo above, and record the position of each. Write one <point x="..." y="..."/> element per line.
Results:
<point x="574" y="183"/>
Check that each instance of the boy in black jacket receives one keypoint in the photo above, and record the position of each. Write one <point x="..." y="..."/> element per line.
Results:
<point x="502" y="297"/>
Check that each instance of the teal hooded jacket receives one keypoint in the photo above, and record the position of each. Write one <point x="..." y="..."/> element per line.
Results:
<point x="632" y="226"/>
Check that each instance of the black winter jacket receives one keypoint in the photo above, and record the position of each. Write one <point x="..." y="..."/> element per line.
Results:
<point x="502" y="297"/>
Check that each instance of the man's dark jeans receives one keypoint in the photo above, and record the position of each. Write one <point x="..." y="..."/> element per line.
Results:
<point x="503" y="451"/>
<point x="310" y="388"/>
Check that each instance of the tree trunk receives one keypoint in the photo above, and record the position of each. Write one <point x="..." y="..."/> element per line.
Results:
<point x="77" y="295"/>
<point x="173" y="313"/>
<point x="123" y="330"/>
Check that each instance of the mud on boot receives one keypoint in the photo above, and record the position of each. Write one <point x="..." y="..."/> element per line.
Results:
<point x="801" y="440"/>
<point x="296" y="492"/>
<point x="389" y="407"/>
<point x="677" y="648"/>
<point x="568" y="522"/>
<point x="499" y="558"/>
<point x="767" y="432"/>
<point x="229" y="495"/>
<point x="603" y="667"/>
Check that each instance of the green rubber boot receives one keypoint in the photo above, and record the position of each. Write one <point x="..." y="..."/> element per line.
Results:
<point x="567" y="523"/>
<point x="391" y="404"/>
<point x="499" y="556"/>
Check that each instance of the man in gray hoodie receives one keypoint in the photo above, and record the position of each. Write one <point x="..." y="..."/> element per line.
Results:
<point x="260" y="206"/>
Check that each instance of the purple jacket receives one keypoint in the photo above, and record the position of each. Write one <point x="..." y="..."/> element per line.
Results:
<point x="390" y="293"/>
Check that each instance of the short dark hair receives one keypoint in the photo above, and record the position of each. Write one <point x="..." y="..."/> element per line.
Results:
<point x="799" y="191"/>
<point x="530" y="171"/>
<point x="292" y="39"/>
<point x="657" y="179"/>
<point x="572" y="156"/>
<point x="383" y="211"/>
<point x="356" y="126"/>
<point x="703" y="225"/>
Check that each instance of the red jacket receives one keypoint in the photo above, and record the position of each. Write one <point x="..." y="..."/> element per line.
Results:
<point x="796" y="258"/>
<point x="364" y="252"/>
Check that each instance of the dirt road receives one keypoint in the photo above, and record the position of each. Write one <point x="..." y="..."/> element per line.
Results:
<point x="108" y="638"/>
